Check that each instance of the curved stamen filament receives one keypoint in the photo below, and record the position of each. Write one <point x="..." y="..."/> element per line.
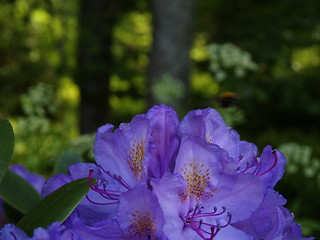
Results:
<point x="111" y="195"/>
<point x="89" y="178"/>
<point x="97" y="203"/>
<point x="257" y="165"/>
<point x="273" y="165"/>
<point x="216" y="225"/>
<point x="248" y="166"/>
<point x="257" y="169"/>
<point x="119" y="179"/>
<point x="108" y="197"/>
<point x="198" y="230"/>
<point x="210" y="214"/>
<point x="191" y="220"/>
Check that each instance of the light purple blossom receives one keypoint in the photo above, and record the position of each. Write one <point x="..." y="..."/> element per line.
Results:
<point x="271" y="220"/>
<point x="160" y="179"/>
<point x="11" y="232"/>
<point x="206" y="193"/>
<point x="140" y="149"/>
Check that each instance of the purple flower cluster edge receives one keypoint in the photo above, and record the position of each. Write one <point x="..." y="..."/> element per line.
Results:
<point x="163" y="179"/>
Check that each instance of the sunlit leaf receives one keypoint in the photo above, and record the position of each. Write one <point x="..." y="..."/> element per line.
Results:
<point x="57" y="206"/>
<point x="18" y="193"/>
<point x="6" y="145"/>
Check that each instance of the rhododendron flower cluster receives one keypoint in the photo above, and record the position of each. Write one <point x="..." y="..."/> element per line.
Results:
<point x="163" y="179"/>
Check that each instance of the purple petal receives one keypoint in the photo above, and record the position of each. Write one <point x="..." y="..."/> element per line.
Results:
<point x="81" y="170"/>
<point x="199" y="122"/>
<point x="53" y="232"/>
<point x="164" y="142"/>
<point x="230" y="232"/>
<point x="11" y="232"/>
<point x="228" y="139"/>
<point x="197" y="158"/>
<point x="271" y="220"/>
<point x="123" y="152"/>
<point x="209" y="125"/>
<point x="167" y="191"/>
<point x="54" y="183"/>
<point x="139" y="214"/>
<point x="248" y="152"/>
<point x="265" y="220"/>
<point x="35" y="180"/>
<point x="241" y="190"/>
<point x="99" y="231"/>
<point x="268" y="159"/>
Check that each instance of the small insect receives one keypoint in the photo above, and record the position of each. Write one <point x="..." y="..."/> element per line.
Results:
<point x="226" y="99"/>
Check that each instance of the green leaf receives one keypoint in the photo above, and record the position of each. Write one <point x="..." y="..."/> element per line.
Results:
<point x="67" y="158"/>
<point x="18" y="193"/>
<point x="57" y="206"/>
<point x="309" y="226"/>
<point x="12" y="214"/>
<point x="6" y="145"/>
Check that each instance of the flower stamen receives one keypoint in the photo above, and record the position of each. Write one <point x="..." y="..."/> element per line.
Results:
<point x="198" y="225"/>
<point x="111" y="195"/>
<point x="119" y="179"/>
<point x="273" y="165"/>
<point x="257" y="165"/>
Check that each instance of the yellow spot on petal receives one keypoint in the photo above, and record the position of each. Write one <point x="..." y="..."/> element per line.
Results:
<point x="136" y="158"/>
<point x="143" y="226"/>
<point x="198" y="178"/>
<point x="209" y="138"/>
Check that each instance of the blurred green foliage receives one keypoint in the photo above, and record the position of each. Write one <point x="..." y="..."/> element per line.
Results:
<point x="227" y="56"/>
<point x="266" y="52"/>
<point x="40" y="137"/>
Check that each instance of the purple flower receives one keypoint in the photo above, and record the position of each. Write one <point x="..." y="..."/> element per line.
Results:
<point x="160" y="179"/>
<point x="269" y="166"/>
<point x="123" y="152"/>
<point x="143" y="219"/>
<point x="108" y="229"/>
<point x="209" y="125"/>
<point x="271" y="220"/>
<point x="164" y="141"/>
<point x="94" y="207"/>
<point x="140" y="149"/>
<point x="203" y="196"/>
<point x="11" y="232"/>
<point x="52" y="232"/>
<point x="217" y="181"/>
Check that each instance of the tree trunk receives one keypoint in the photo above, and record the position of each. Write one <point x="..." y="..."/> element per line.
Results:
<point x="96" y="20"/>
<point x="169" y="57"/>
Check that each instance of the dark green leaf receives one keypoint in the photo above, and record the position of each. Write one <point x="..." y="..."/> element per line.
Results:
<point x="67" y="158"/>
<point x="309" y="226"/>
<point x="6" y="145"/>
<point x="18" y="193"/>
<point x="12" y="214"/>
<point x="57" y="206"/>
